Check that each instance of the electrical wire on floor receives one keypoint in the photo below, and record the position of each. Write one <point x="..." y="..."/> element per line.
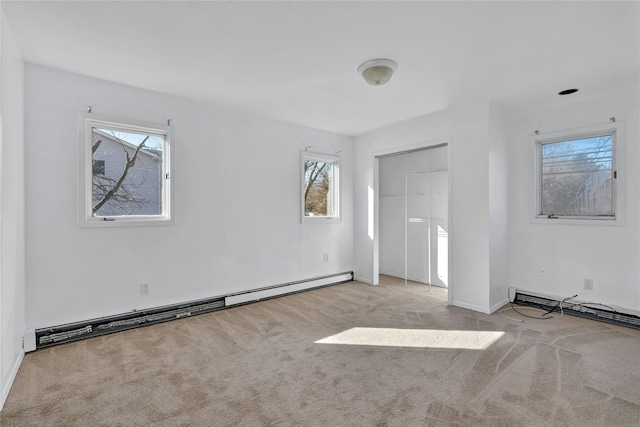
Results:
<point x="546" y="314"/>
<point x="587" y="304"/>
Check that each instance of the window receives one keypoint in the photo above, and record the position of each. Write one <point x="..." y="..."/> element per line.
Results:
<point x="125" y="173"/>
<point x="576" y="175"/>
<point x="98" y="167"/>
<point x="320" y="188"/>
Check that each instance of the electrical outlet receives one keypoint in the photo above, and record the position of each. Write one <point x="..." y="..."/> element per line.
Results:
<point x="144" y="289"/>
<point x="326" y="257"/>
<point x="588" y="284"/>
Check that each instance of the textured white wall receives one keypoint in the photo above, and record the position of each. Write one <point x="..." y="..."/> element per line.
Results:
<point x="570" y="253"/>
<point x="12" y="244"/>
<point x="237" y="189"/>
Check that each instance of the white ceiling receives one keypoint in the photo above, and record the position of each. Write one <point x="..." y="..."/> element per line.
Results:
<point x="296" y="61"/>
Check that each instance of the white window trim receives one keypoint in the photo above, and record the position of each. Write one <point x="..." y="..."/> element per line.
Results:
<point x="337" y="191"/>
<point x="615" y="128"/>
<point x="86" y="122"/>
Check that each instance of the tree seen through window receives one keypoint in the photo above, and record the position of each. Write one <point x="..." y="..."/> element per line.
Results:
<point x="577" y="177"/>
<point x="127" y="173"/>
<point x="318" y="177"/>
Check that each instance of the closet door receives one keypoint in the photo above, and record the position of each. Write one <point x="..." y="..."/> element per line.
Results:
<point x="391" y="210"/>
<point x="439" y="212"/>
<point x="418" y="216"/>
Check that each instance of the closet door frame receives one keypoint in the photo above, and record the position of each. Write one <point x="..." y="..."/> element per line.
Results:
<point x="374" y="202"/>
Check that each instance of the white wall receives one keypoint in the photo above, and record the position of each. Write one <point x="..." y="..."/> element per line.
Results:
<point x="493" y="243"/>
<point x="12" y="249"/>
<point x="466" y="130"/>
<point x="238" y="218"/>
<point x="498" y="205"/>
<point x="569" y="253"/>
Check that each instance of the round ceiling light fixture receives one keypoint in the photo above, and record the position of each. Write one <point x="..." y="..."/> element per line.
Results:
<point x="377" y="71"/>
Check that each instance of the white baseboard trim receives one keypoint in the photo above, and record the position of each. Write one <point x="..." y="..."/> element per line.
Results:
<point x="472" y="307"/>
<point x="499" y="305"/>
<point x="6" y="388"/>
<point x="364" y="280"/>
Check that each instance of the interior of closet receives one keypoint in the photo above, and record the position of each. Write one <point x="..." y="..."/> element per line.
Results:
<point x="413" y="212"/>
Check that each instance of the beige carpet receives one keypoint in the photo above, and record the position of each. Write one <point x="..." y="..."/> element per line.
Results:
<point x="347" y="355"/>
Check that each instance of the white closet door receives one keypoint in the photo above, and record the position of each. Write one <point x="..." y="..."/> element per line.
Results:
<point x="438" y="194"/>
<point x="391" y="209"/>
<point x="392" y="239"/>
<point x="418" y="216"/>
<point x="418" y="251"/>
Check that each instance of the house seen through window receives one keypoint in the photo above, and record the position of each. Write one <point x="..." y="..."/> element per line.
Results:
<point x="127" y="178"/>
<point x="98" y="167"/>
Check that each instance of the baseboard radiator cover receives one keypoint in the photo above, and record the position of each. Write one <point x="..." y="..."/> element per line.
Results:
<point x="47" y="337"/>
<point x="288" y="288"/>
<point x="576" y="307"/>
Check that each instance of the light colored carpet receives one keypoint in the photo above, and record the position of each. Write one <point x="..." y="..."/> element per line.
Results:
<point x="347" y="355"/>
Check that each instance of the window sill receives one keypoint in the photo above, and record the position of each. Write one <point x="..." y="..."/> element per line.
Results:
<point x="125" y="222"/>
<point x="320" y="220"/>
<point x="576" y="221"/>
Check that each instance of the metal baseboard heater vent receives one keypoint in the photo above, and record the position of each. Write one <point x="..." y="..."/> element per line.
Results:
<point x="576" y="307"/>
<point x="46" y="337"/>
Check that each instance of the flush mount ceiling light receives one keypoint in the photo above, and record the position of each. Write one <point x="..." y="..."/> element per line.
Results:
<point x="377" y="71"/>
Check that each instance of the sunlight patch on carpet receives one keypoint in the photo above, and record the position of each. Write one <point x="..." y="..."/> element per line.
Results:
<point x="417" y="338"/>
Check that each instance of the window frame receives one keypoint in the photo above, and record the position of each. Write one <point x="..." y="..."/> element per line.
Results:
<point x="336" y="188"/>
<point x="615" y="129"/>
<point x="86" y="219"/>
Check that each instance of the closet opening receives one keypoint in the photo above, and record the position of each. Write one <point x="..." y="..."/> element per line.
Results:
<point x="412" y="212"/>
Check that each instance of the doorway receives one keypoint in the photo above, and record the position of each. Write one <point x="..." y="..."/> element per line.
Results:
<point x="413" y="231"/>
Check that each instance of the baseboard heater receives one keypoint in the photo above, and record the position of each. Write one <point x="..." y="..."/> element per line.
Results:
<point x="46" y="337"/>
<point x="590" y="310"/>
